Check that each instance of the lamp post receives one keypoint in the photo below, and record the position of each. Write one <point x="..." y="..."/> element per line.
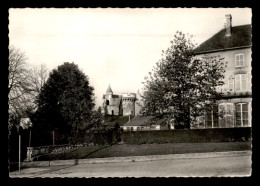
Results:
<point x="19" y="132"/>
<point x="29" y="149"/>
<point x="53" y="137"/>
<point x="30" y="135"/>
<point x="19" y="152"/>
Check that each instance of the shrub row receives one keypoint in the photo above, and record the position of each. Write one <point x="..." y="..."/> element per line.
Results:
<point x="187" y="136"/>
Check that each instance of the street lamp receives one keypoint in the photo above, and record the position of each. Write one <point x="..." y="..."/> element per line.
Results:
<point x="20" y="129"/>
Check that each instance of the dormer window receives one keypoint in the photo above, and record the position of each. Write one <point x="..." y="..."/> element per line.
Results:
<point x="240" y="60"/>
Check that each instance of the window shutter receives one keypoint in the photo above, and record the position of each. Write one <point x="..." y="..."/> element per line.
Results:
<point x="237" y="60"/>
<point x="231" y="83"/>
<point x="243" y="81"/>
<point x="249" y="113"/>
<point x="225" y="86"/>
<point x="249" y="78"/>
<point x="243" y="59"/>
<point x="237" y="82"/>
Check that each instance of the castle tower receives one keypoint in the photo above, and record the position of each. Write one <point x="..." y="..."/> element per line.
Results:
<point x="128" y="101"/>
<point x="109" y="90"/>
<point x="111" y="103"/>
<point x="108" y="96"/>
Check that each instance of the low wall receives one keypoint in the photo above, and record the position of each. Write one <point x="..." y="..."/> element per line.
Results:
<point x="33" y="152"/>
<point x="187" y="136"/>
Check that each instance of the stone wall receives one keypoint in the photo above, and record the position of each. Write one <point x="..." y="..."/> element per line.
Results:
<point x="128" y="102"/>
<point x="128" y="107"/>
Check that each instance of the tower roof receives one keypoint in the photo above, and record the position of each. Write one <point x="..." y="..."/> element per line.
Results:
<point x="109" y="90"/>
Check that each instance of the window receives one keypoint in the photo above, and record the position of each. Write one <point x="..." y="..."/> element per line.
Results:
<point x="240" y="82"/>
<point x="112" y="112"/>
<point x="239" y="59"/>
<point x="226" y="112"/>
<point x="211" y="119"/>
<point x="229" y="115"/>
<point x="107" y="102"/>
<point x="128" y="128"/>
<point x="241" y="114"/>
<point x="132" y="128"/>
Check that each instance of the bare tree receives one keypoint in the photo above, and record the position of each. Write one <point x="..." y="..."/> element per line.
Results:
<point x="24" y="84"/>
<point x="36" y="77"/>
<point x="18" y="84"/>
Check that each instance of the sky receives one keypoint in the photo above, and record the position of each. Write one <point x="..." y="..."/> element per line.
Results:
<point x="116" y="46"/>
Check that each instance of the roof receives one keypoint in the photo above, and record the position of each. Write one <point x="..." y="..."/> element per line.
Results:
<point x="142" y="121"/>
<point x="109" y="89"/>
<point x="112" y="120"/>
<point x="240" y="37"/>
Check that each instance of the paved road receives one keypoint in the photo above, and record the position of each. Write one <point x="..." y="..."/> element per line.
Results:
<point x="237" y="165"/>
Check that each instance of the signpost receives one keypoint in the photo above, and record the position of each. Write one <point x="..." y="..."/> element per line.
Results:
<point x="24" y="123"/>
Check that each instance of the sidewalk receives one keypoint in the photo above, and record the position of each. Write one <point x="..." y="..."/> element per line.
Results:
<point x="32" y="168"/>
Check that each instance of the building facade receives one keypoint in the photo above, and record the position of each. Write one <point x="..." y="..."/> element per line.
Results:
<point x="234" y="45"/>
<point x="142" y="123"/>
<point x="118" y="105"/>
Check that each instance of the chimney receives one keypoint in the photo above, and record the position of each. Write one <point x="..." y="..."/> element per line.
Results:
<point x="228" y="24"/>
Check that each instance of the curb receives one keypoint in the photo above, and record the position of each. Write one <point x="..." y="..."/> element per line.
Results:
<point x="135" y="158"/>
<point x="165" y="157"/>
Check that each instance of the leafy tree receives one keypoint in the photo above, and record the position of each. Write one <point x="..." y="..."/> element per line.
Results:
<point x="182" y="86"/>
<point x="97" y="121"/>
<point x="66" y="102"/>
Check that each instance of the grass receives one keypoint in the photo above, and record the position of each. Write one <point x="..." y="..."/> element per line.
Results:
<point x="148" y="149"/>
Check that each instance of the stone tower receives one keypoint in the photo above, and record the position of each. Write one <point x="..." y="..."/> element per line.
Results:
<point x="112" y="103"/>
<point x="109" y="92"/>
<point x="128" y="102"/>
<point x="118" y="104"/>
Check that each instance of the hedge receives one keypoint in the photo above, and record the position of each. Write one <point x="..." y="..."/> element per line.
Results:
<point x="187" y="135"/>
